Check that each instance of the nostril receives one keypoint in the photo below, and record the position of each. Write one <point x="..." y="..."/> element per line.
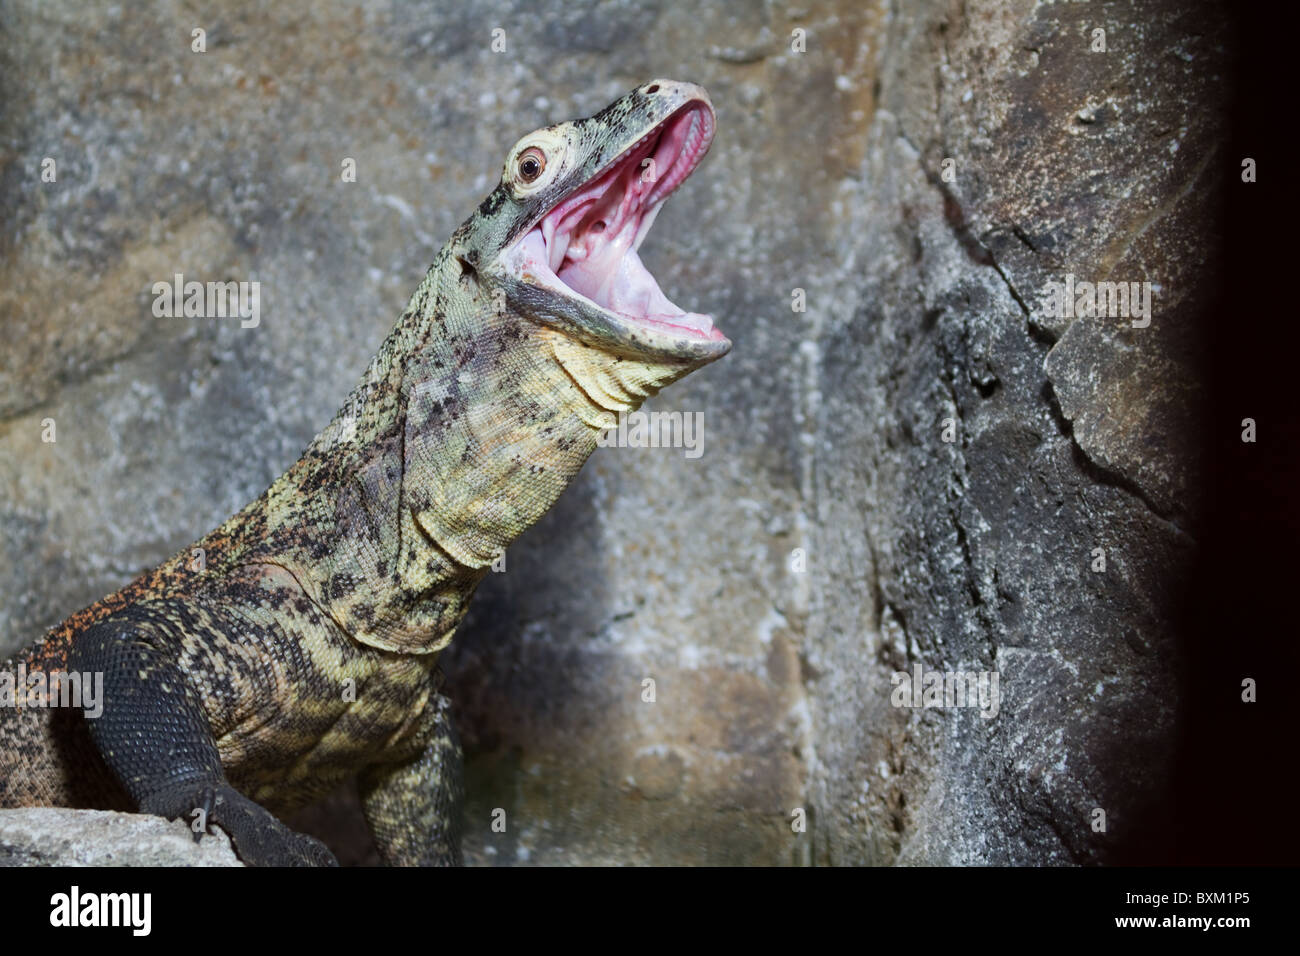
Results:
<point x="598" y="227"/>
<point x="652" y="88"/>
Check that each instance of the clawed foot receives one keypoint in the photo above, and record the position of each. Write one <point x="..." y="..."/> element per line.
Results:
<point x="258" y="837"/>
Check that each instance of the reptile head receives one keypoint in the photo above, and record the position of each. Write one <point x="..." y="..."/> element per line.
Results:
<point x="558" y="237"/>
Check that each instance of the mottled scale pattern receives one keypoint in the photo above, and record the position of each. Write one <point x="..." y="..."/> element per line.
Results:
<point x="302" y="651"/>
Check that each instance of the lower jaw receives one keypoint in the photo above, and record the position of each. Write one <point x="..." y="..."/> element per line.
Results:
<point x="625" y="284"/>
<point x="648" y="337"/>
<point x="665" y="325"/>
<point x="609" y="384"/>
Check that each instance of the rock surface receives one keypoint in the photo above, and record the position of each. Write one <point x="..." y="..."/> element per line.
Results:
<point x="828" y="537"/>
<point x="43" y="836"/>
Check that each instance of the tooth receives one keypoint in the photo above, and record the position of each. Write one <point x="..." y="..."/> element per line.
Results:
<point x="646" y="222"/>
<point x="557" y="250"/>
<point x="548" y="232"/>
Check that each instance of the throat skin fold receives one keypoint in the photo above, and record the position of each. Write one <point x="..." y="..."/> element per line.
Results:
<point x="466" y="427"/>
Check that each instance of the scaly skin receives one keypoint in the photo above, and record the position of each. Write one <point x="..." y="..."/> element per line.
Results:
<point x="304" y="652"/>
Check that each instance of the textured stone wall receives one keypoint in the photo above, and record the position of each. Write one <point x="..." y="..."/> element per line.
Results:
<point x="1069" y="435"/>
<point x="827" y="537"/>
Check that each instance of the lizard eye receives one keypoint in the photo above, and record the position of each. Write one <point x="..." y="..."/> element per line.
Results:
<point x="531" y="164"/>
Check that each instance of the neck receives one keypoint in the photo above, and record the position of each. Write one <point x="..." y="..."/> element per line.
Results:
<point x="466" y="427"/>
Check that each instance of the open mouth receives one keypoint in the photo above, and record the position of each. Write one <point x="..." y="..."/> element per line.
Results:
<point x="586" y="245"/>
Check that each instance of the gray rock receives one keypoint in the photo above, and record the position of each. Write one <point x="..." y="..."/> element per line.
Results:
<point x="43" y="836"/>
<point x="1067" y="437"/>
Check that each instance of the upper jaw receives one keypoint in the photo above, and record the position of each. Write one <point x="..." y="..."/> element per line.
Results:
<point x="575" y="265"/>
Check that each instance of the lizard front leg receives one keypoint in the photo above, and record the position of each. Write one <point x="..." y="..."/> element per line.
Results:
<point x="414" y="807"/>
<point x="154" y="733"/>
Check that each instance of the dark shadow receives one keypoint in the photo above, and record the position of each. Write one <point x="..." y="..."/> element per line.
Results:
<point x="1235" y="783"/>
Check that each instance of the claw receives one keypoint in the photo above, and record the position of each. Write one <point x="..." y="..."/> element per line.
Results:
<point x="258" y="837"/>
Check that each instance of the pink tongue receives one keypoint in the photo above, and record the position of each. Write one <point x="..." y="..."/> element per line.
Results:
<point x="615" y="278"/>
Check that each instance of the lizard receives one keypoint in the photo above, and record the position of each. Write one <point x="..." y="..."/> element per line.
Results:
<point x="301" y="651"/>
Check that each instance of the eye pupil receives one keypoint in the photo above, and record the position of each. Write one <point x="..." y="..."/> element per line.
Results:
<point x="531" y="165"/>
